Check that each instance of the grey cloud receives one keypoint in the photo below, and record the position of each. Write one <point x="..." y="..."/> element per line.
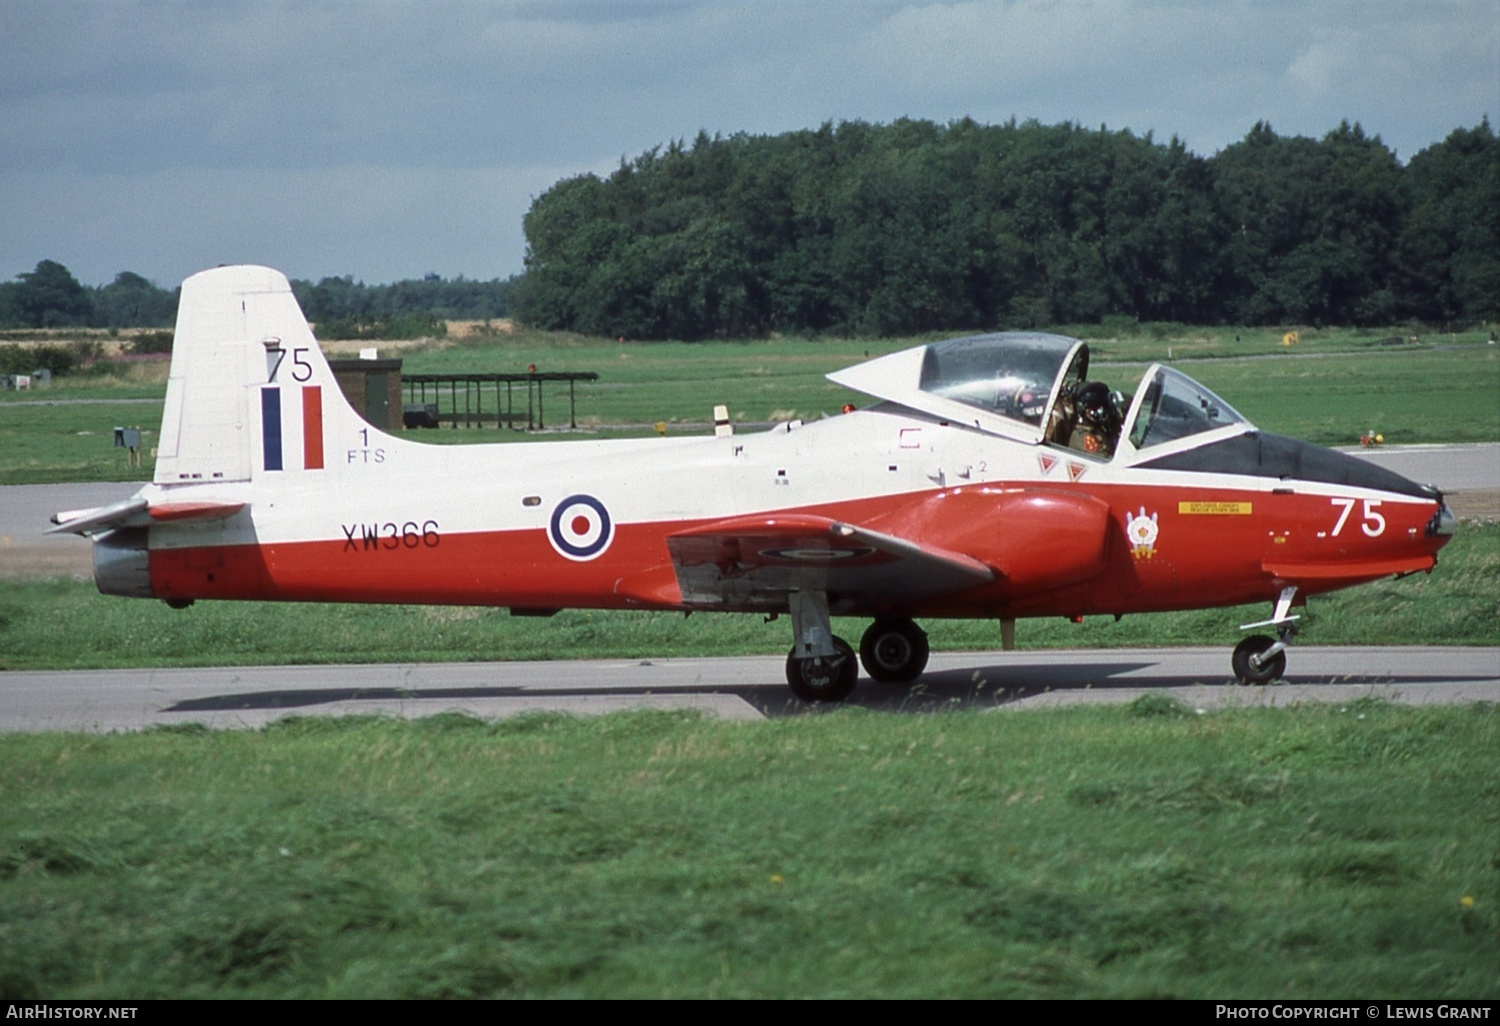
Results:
<point x="155" y="133"/>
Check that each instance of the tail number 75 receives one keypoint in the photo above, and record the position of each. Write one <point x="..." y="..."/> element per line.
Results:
<point x="1373" y="523"/>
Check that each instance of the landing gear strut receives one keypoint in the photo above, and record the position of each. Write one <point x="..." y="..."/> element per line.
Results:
<point x="894" y="651"/>
<point x="1260" y="659"/>
<point x="820" y="667"/>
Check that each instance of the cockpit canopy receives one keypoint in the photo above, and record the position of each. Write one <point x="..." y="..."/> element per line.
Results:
<point x="1034" y="387"/>
<point x="1011" y="375"/>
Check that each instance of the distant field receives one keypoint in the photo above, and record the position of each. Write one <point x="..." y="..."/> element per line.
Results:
<point x="1328" y="389"/>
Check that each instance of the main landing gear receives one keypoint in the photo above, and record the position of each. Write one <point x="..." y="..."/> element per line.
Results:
<point x="894" y="651"/>
<point x="827" y="678"/>
<point x="822" y="668"/>
<point x="1260" y="659"/>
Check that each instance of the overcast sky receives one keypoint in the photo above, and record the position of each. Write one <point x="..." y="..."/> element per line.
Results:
<point x="387" y="140"/>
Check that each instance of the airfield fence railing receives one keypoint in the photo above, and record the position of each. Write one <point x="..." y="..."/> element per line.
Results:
<point x="478" y="400"/>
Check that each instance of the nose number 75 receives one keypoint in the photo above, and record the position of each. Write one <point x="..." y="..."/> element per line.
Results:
<point x="1373" y="523"/>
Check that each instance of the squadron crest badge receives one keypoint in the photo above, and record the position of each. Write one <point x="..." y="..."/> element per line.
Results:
<point x="1141" y="530"/>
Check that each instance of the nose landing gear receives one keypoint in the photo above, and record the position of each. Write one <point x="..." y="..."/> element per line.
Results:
<point x="1260" y="659"/>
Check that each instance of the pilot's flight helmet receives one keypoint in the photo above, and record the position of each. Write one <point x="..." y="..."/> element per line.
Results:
<point x="1093" y="401"/>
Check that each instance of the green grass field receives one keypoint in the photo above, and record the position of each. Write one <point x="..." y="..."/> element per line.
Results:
<point x="1136" y="851"/>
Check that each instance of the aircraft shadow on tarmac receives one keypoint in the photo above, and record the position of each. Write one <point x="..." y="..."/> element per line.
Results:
<point x="970" y="687"/>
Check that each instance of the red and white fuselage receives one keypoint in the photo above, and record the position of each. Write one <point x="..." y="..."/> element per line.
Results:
<point x="955" y="495"/>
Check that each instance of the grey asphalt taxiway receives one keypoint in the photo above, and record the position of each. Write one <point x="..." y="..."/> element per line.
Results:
<point x="733" y="688"/>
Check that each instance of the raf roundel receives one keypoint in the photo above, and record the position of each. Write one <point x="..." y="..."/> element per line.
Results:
<point x="818" y="555"/>
<point x="580" y="528"/>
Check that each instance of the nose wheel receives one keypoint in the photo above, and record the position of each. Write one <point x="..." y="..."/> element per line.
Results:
<point x="1254" y="663"/>
<point x="1260" y="659"/>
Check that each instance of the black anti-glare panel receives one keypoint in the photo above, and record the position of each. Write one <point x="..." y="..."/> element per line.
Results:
<point x="1260" y="454"/>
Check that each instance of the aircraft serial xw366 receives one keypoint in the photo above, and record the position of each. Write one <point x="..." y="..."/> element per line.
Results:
<point x="991" y="478"/>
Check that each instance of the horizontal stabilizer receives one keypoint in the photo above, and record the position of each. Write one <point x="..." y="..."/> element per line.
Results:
<point x="88" y="521"/>
<point x="138" y="512"/>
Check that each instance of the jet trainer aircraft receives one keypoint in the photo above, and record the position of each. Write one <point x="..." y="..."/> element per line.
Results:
<point x="991" y="478"/>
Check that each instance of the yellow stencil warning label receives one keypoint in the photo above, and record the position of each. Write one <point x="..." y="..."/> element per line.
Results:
<point x="1219" y="508"/>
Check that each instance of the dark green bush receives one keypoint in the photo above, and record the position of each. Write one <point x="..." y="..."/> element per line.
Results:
<point x="150" y="342"/>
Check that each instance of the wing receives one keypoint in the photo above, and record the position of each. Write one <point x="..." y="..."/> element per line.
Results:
<point x="1023" y="541"/>
<point x="752" y="562"/>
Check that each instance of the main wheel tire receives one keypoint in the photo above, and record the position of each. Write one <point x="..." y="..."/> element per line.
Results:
<point x="894" y="651"/>
<point x="1265" y="673"/>
<point x="820" y="679"/>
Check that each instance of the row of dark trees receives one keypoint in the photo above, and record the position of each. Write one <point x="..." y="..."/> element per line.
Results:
<point x="458" y="299"/>
<point x="51" y="297"/>
<point x="914" y="226"/>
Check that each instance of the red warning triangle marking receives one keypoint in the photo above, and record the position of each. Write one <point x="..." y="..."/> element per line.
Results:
<point x="1076" y="470"/>
<point x="1047" y="462"/>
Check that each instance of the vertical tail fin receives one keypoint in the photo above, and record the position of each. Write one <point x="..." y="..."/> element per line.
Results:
<point x="249" y="392"/>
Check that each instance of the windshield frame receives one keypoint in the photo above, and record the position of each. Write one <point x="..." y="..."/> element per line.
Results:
<point x="1126" y="453"/>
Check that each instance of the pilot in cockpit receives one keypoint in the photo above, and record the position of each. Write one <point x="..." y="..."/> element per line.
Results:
<point x="1087" y="418"/>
